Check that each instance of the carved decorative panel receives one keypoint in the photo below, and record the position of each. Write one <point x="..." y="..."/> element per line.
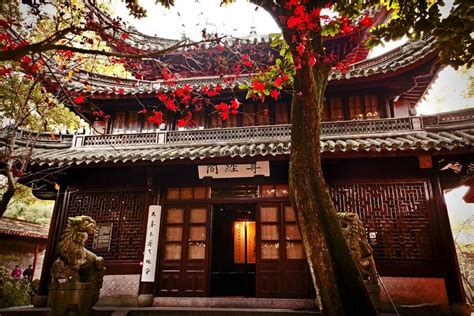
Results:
<point x="126" y="210"/>
<point x="395" y="216"/>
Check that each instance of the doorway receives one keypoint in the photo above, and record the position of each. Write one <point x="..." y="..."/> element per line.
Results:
<point x="233" y="251"/>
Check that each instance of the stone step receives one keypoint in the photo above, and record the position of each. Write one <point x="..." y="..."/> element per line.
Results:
<point x="198" y="311"/>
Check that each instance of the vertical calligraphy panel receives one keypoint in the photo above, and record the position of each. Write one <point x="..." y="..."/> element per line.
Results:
<point x="151" y="243"/>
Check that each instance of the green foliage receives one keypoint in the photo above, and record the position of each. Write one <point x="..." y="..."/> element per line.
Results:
<point x="26" y="207"/>
<point x="14" y="292"/>
<point x="25" y="103"/>
<point x="463" y="232"/>
<point x="417" y="19"/>
<point x="272" y="77"/>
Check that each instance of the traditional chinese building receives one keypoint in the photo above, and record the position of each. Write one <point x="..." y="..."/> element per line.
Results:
<point x="203" y="211"/>
<point x="23" y="244"/>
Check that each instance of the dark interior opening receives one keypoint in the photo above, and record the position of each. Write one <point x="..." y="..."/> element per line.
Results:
<point x="233" y="251"/>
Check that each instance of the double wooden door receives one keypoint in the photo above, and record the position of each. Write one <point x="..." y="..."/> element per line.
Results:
<point x="185" y="251"/>
<point x="281" y="269"/>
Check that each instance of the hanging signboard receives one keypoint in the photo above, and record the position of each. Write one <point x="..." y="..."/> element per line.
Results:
<point x="151" y="243"/>
<point x="103" y="237"/>
<point x="249" y="170"/>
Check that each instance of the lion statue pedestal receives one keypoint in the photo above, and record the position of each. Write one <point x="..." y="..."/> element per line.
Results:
<point x="70" y="298"/>
<point x="78" y="273"/>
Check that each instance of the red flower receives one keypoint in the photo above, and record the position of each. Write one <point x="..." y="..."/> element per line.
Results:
<point x="66" y="53"/>
<point x="212" y="93"/>
<point x="234" y="104"/>
<point x="278" y="82"/>
<point x="245" y="59"/>
<point x="258" y="86"/>
<point x="347" y="28"/>
<point x="25" y="59"/>
<point x="121" y="91"/>
<point x="170" y="105"/>
<point x="124" y="36"/>
<point x="179" y="92"/>
<point x="221" y="107"/>
<point x="187" y="88"/>
<point x="224" y="115"/>
<point x="186" y="121"/>
<point x="275" y="94"/>
<point x="366" y="21"/>
<point x="161" y="96"/>
<point x="300" y="48"/>
<point x="79" y="99"/>
<point x="157" y="118"/>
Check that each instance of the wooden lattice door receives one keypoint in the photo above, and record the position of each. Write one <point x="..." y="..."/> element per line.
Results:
<point x="184" y="252"/>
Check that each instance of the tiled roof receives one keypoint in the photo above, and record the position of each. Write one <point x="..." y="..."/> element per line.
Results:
<point x="16" y="227"/>
<point x="410" y="141"/>
<point x="392" y="61"/>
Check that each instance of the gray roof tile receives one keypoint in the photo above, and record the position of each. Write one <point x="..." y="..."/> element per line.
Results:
<point x="424" y="141"/>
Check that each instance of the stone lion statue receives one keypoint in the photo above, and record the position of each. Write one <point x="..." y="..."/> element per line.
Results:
<point x="75" y="262"/>
<point x="361" y="250"/>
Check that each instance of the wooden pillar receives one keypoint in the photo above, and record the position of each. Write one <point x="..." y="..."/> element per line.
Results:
<point x="35" y="260"/>
<point x="452" y="273"/>
<point x="55" y="229"/>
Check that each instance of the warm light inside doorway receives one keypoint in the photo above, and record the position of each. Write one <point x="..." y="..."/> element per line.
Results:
<point x="244" y="242"/>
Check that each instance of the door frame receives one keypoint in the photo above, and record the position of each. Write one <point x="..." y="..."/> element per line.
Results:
<point x="228" y="202"/>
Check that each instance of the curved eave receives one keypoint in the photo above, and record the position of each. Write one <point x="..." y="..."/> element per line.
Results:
<point x="390" y="65"/>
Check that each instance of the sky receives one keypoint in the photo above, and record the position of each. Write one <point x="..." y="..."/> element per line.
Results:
<point x="192" y="16"/>
<point x="459" y="212"/>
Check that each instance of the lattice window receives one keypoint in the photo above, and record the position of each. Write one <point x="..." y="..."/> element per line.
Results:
<point x="394" y="214"/>
<point x="126" y="210"/>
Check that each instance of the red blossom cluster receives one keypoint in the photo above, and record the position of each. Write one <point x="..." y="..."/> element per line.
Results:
<point x="156" y="118"/>
<point x="224" y="109"/>
<point x="6" y="41"/>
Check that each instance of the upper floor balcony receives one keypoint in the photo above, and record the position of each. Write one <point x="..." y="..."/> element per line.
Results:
<point x="382" y="128"/>
<point x="253" y="133"/>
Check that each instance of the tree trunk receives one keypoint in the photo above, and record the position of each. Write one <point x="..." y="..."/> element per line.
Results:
<point x="334" y="272"/>
<point x="11" y="184"/>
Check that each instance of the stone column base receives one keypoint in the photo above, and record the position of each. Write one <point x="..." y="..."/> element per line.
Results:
<point x="145" y="300"/>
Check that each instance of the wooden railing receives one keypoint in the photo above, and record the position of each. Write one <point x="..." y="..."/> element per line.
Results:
<point x="37" y="137"/>
<point x="272" y="132"/>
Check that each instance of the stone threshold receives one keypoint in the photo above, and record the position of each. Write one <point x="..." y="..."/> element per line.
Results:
<point x="235" y="302"/>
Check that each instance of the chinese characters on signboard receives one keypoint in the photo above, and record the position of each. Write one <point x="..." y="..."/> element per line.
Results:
<point x="151" y="243"/>
<point x="102" y="237"/>
<point x="249" y="170"/>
